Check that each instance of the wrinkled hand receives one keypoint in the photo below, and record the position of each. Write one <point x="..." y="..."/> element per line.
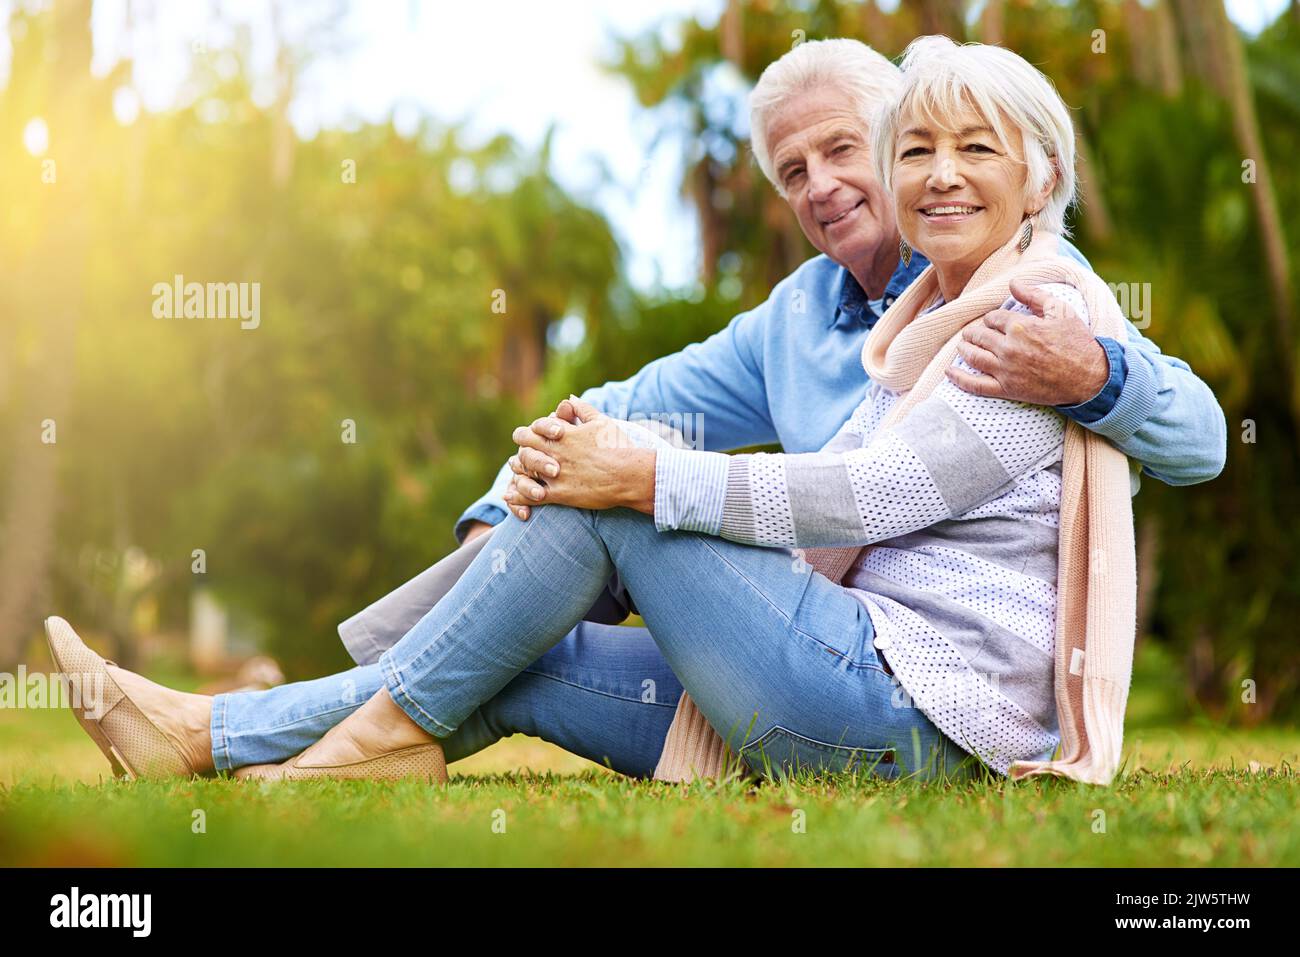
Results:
<point x="532" y="467"/>
<point x="1049" y="358"/>
<point x="578" y="457"/>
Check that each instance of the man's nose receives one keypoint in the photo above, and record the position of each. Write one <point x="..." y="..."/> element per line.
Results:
<point x="821" y="182"/>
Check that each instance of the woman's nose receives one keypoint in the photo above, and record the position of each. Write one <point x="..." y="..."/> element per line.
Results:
<point x="943" y="171"/>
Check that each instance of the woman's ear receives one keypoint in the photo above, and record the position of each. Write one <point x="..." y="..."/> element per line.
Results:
<point x="1035" y="203"/>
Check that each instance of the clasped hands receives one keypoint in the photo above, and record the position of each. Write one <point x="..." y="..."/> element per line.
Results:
<point x="580" y="457"/>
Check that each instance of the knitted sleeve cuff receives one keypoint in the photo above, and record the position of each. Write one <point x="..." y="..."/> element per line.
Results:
<point x="690" y="487"/>
<point x="1136" y="402"/>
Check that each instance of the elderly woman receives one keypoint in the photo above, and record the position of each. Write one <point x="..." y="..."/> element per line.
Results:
<point x="978" y="551"/>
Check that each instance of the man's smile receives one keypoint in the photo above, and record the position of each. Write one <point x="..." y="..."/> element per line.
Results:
<point x="842" y="215"/>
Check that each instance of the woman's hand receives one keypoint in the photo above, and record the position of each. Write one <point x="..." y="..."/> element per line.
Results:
<point x="532" y="467"/>
<point x="582" y="458"/>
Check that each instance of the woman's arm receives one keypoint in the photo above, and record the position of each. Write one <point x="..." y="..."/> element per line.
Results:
<point x="608" y="463"/>
<point x="953" y="452"/>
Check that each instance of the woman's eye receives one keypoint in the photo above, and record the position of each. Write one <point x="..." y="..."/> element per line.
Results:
<point x="913" y="151"/>
<point x="978" y="148"/>
<point x="841" y="149"/>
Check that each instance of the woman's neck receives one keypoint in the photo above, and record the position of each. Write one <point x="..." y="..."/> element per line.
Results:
<point x="954" y="276"/>
<point x="952" y="280"/>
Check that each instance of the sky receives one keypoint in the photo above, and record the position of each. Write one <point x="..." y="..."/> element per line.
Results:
<point x="514" y="66"/>
<point x="493" y="65"/>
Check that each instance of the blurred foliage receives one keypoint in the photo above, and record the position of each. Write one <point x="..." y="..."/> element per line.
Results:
<point x="377" y="306"/>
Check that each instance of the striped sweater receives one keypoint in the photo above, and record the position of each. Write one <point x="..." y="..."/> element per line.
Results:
<point x="961" y="500"/>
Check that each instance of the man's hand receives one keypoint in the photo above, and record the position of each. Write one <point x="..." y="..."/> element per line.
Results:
<point x="1049" y="358"/>
<point x="586" y="461"/>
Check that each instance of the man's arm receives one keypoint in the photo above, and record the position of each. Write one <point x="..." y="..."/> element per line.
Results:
<point x="721" y="377"/>
<point x="487" y="510"/>
<point x="1163" y="415"/>
<point x="1151" y="406"/>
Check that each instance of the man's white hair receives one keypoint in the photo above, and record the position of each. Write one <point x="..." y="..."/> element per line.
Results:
<point x="941" y="78"/>
<point x="849" y="66"/>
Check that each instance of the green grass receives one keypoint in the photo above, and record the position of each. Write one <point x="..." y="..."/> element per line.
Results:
<point x="1191" y="794"/>
<point x="1187" y="817"/>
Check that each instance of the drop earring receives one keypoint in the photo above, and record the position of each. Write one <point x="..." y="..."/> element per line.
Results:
<point x="1026" y="235"/>
<point x="905" y="252"/>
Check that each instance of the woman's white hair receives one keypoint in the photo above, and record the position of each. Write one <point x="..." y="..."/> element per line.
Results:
<point x="941" y="78"/>
<point x="849" y="66"/>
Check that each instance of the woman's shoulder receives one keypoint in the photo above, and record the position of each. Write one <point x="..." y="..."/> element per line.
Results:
<point x="1060" y="291"/>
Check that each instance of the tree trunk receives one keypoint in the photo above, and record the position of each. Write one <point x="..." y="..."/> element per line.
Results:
<point x="1245" y="124"/>
<point x="523" y="355"/>
<point x="992" y="22"/>
<point x="1097" y="220"/>
<point x="1167" y="58"/>
<point x="940" y="16"/>
<point x="1148" y="573"/>
<point x="1215" y="49"/>
<point x="57" y="273"/>
<point x="731" y="34"/>
<point x="876" y="27"/>
<point x="283" y="140"/>
<point x="1137" y="23"/>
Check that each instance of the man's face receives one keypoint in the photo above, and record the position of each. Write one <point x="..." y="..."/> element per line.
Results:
<point x="820" y="156"/>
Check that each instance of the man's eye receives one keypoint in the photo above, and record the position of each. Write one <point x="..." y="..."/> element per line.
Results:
<point x="979" y="148"/>
<point x="913" y="151"/>
<point x="842" y="148"/>
<point x="793" y="175"/>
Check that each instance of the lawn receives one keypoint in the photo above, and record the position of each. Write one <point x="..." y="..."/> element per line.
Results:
<point x="1191" y="794"/>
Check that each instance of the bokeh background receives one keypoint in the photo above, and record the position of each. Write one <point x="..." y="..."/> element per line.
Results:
<point x="182" y="490"/>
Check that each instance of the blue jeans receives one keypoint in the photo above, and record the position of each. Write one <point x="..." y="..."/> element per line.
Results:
<point x="779" y="659"/>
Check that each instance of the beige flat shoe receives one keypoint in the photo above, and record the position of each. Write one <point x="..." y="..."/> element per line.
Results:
<point x="425" y="761"/>
<point x="258" y="771"/>
<point x="134" y="745"/>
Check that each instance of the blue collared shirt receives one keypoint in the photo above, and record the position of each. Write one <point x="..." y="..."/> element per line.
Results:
<point x="789" y="372"/>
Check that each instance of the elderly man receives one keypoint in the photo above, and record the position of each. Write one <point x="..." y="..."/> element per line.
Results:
<point x="789" y="371"/>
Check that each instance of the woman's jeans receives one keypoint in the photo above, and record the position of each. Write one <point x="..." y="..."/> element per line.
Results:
<point x="778" y="658"/>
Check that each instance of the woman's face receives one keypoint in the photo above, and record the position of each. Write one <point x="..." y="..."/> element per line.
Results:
<point x="958" y="196"/>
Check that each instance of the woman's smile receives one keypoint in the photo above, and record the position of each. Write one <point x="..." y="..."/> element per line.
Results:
<point x="944" y="214"/>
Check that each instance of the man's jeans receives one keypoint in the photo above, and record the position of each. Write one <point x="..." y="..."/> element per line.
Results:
<point x="779" y="659"/>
